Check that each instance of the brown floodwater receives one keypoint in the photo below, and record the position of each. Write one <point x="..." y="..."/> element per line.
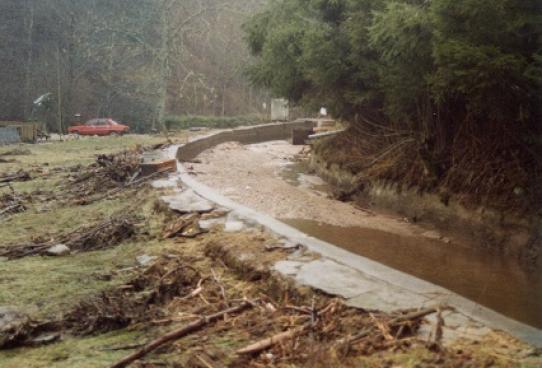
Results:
<point x="494" y="281"/>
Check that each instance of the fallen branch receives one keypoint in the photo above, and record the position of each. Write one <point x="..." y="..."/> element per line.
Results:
<point x="437" y="332"/>
<point x="267" y="343"/>
<point x="106" y="234"/>
<point x="9" y="209"/>
<point x="121" y="187"/>
<point x="125" y="347"/>
<point x="416" y="315"/>
<point x="18" y="176"/>
<point x="181" y="332"/>
<point x="395" y="321"/>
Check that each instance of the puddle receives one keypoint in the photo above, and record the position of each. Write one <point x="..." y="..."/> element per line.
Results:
<point x="294" y="174"/>
<point x="493" y="281"/>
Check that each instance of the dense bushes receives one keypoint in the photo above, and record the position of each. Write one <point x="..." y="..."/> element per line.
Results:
<point x="447" y="78"/>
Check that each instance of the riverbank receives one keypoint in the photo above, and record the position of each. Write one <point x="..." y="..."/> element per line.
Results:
<point x="484" y="221"/>
<point x="391" y="240"/>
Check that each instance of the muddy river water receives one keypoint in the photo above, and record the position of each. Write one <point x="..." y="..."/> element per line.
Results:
<point x="493" y="281"/>
<point x="266" y="180"/>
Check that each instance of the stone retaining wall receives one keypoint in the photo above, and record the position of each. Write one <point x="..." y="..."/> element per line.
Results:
<point x="248" y="135"/>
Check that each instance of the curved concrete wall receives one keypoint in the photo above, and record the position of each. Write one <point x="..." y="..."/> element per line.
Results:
<point x="248" y="135"/>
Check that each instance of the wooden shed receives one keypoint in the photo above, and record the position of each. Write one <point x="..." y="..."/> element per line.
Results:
<point x="27" y="131"/>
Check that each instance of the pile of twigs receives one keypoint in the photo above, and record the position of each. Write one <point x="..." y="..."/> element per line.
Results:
<point x="135" y="301"/>
<point x="108" y="176"/>
<point x="106" y="234"/>
<point x="20" y="175"/>
<point x="17" y="202"/>
<point x="108" y="172"/>
<point x="12" y="203"/>
<point x="290" y="334"/>
<point x="269" y="331"/>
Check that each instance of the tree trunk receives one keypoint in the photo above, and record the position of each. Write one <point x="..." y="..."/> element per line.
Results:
<point x="29" y="60"/>
<point x="164" y="69"/>
<point x="110" y="76"/>
<point x="58" y="92"/>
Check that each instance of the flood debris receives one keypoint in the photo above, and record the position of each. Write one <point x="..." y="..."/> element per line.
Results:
<point x="109" y="171"/>
<point x="158" y="166"/>
<point x="284" y="330"/>
<point x="136" y="301"/>
<point x="103" y="235"/>
<point x="108" y="233"/>
<point x="193" y="230"/>
<point x="179" y="225"/>
<point x="107" y="176"/>
<point x="120" y="167"/>
<point x="20" y="175"/>
<point x="185" y="305"/>
<point x="12" y="203"/>
<point x="181" y="332"/>
<point x="12" y="326"/>
<point x="18" y="329"/>
<point x="15" y="202"/>
<point x="288" y="247"/>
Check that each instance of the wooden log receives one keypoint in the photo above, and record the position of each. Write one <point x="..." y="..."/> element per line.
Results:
<point x="181" y="332"/>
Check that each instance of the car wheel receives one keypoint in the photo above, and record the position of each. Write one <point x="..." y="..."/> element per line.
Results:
<point x="114" y="134"/>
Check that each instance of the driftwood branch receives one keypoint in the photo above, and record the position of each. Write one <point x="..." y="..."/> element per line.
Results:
<point x="181" y="332"/>
<point x="267" y="343"/>
<point x="415" y="315"/>
<point x="395" y="321"/>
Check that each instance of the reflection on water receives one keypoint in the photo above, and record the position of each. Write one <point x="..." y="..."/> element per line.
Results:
<point x="494" y="281"/>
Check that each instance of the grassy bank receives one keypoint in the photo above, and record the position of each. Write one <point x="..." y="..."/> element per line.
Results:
<point x="45" y="287"/>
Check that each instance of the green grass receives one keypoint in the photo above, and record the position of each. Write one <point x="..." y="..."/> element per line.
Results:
<point x="44" y="286"/>
<point x="90" y="352"/>
<point x="75" y="151"/>
<point x="47" y="286"/>
<point x="177" y="122"/>
<point x="19" y="228"/>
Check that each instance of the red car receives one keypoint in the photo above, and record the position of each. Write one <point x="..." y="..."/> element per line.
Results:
<point x="99" y="127"/>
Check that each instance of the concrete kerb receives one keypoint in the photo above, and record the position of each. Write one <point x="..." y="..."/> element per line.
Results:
<point x="368" y="269"/>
